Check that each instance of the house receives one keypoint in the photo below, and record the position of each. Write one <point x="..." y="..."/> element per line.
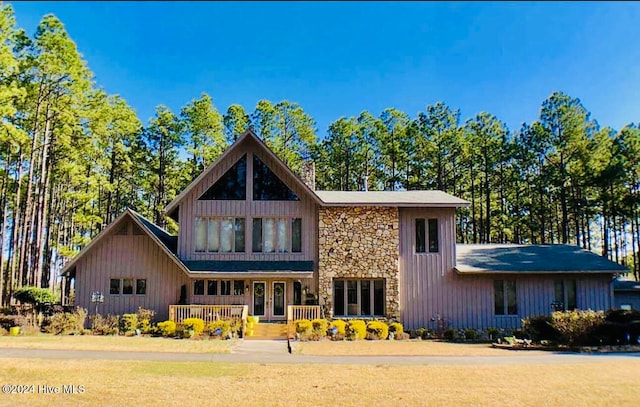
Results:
<point x="255" y="235"/>
<point x="626" y="294"/>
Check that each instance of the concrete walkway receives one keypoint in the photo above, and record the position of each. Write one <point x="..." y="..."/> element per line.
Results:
<point x="276" y="352"/>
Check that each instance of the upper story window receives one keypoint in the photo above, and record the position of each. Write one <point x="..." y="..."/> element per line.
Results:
<point x="277" y="235"/>
<point x="427" y="235"/>
<point x="267" y="186"/>
<point x="231" y="186"/>
<point x="219" y="235"/>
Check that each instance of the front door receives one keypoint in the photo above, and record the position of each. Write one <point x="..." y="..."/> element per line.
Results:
<point x="259" y="288"/>
<point x="279" y="290"/>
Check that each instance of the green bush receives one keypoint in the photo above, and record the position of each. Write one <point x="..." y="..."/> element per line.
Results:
<point x="378" y="330"/>
<point x="194" y="324"/>
<point x="450" y="334"/>
<point x="35" y="295"/>
<point x="129" y="324"/>
<point x="320" y="326"/>
<point x="253" y="319"/>
<point x="540" y="328"/>
<point x="356" y="329"/>
<point x="167" y="328"/>
<point x="577" y="327"/>
<point x="493" y="333"/>
<point x="304" y="326"/>
<point x="145" y="316"/>
<point x="219" y="328"/>
<point x="109" y="325"/>
<point x="396" y="327"/>
<point x="340" y="326"/>
<point x="470" y="334"/>
<point x="67" y="323"/>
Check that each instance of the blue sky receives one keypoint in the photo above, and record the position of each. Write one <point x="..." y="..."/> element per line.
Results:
<point x="340" y="58"/>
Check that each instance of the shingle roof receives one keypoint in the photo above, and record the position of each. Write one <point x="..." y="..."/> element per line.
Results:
<point x="626" y="285"/>
<point x="531" y="259"/>
<point x="170" y="241"/>
<point x="391" y="198"/>
<point x="247" y="265"/>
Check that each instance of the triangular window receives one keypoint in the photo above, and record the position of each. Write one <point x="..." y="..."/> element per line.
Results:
<point x="231" y="186"/>
<point x="267" y="186"/>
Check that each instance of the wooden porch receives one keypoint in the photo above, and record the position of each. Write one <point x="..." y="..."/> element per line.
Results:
<point x="298" y="312"/>
<point x="210" y="313"/>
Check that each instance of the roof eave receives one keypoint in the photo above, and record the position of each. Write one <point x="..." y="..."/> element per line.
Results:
<point x="398" y="204"/>
<point x="530" y="272"/>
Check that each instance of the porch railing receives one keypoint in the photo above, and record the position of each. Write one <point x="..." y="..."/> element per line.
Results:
<point x="298" y="312"/>
<point x="209" y="313"/>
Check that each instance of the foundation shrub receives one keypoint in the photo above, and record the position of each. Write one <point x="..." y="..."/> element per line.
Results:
<point x="219" y="329"/>
<point x="194" y="324"/>
<point x="396" y="328"/>
<point x="109" y="325"/>
<point x="337" y="329"/>
<point x="303" y="326"/>
<point x="540" y="328"/>
<point x="377" y="330"/>
<point x="578" y="327"/>
<point x="67" y="323"/>
<point x="167" y="328"/>
<point x="450" y="334"/>
<point x="356" y="329"/>
<point x="8" y="321"/>
<point x="401" y="336"/>
<point x="145" y="317"/>
<point x="470" y="334"/>
<point x="320" y="326"/>
<point x="128" y="324"/>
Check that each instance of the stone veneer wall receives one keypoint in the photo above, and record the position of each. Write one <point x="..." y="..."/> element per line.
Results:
<point x="358" y="242"/>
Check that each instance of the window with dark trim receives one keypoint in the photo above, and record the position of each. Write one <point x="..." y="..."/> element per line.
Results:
<point x="504" y="297"/>
<point x="358" y="297"/>
<point x="565" y="295"/>
<point x="114" y="286"/>
<point x="267" y="186"/>
<point x="238" y="287"/>
<point x="141" y="286"/>
<point x="212" y="287"/>
<point x="427" y="235"/>
<point x="127" y="286"/>
<point x="225" y="287"/>
<point x="231" y="186"/>
<point x="217" y="234"/>
<point x="276" y="235"/>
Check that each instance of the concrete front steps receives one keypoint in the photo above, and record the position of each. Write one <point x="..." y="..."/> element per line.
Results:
<point x="264" y="330"/>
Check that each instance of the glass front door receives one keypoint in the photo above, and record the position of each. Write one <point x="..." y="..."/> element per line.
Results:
<point x="279" y="290"/>
<point x="258" y="297"/>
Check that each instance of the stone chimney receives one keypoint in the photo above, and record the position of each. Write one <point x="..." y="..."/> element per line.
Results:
<point x="308" y="174"/>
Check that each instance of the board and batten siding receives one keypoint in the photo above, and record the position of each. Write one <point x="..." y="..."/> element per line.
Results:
<point x="630" y="298"/>
<point x="430" y="288"/>
<point x="191" y="207"/>
<point x="129" y="256"/>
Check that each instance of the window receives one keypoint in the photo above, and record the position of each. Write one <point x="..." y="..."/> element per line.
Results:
<point x="422" y="237"/>
<point x="238" y="287"/>
<point x="141" y="287"/>
<point x="114" y="286"/>
<point x="127" y="286"/>
<point x="358" y="297"/>
<point x="219" y="235"/>
<point x="276" y="235"/>
<point x="212" y="287"/>
<point x="504" y="296"/>
<point x="225" y="287"/>
<point x="267" y="186"/>
<point x="198" y="287"/>
<point x="231" y="186"/>
<point x="565" y="295"/>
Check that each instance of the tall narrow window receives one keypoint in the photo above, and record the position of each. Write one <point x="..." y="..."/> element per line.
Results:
<point x="572" y="302"/>
<point x="433" y="235"/>
<point x="267" y="186"/>
<point x="269" y="235"/>
<point x="338" y="297"/>
<point x="231" y="186"/>
<point x="141" y="286"/>
<point x="420" y="236"/>
<point x="296" y="235"/>
<point x="238" y="287"/>
<point x="256" y="240"/>
<point x="365" y="307"/>
<point x="225" y="287"/>
<point x="212" y="287"/>
<point x="239" y="235"/>
<point x="127" y="286"/>
<point x="565" y="295"/>
<point x="198" y="287"/>
<point x="226" y="235"/>
<point x="283" y="238"/>
<point x="114" y="286"/>
<point x="378" y="297"/>
<point x="505" y="297"/>
<point x="201" y="234"/>
<point x="213" y="235"/>
<point x="352" y="297"/>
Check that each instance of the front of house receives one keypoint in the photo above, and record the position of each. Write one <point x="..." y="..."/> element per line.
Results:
<point x="254" y="234"/>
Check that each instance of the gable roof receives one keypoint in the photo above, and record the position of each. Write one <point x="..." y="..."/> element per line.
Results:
<point x="168" y="243"/>
<point x="432" y="199"/>
<point x="626" y="285"/>
<point x="531" y="259"/>
<point x="249" y="136"/>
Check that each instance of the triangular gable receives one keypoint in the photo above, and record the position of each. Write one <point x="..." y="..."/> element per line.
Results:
<point x="263" y="148"/>
<point x="157" y="234"/>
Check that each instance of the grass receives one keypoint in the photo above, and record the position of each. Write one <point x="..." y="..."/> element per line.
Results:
<point x="398" y="348"/>
<point x="192" y="384"/>
<point x="116" y="343"/>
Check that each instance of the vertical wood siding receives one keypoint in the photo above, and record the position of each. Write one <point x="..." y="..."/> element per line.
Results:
<point x="430" y="287"/>
<point x="129" y="256"/>
<point x="627" y="298"/>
